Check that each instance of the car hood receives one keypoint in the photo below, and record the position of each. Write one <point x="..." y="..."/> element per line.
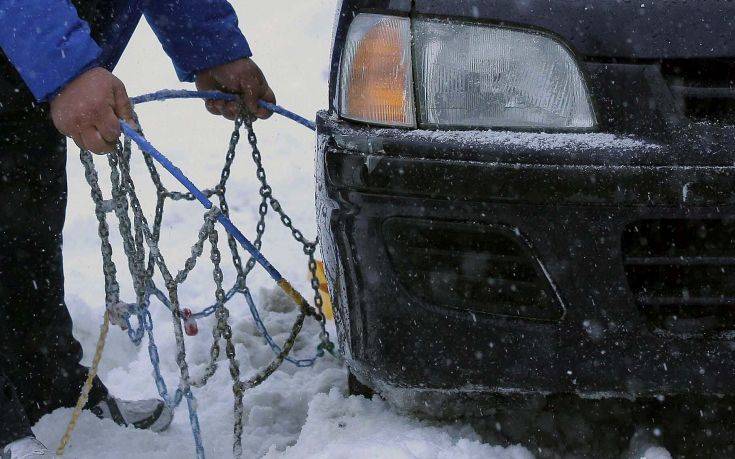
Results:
<point x="632" y="29"/>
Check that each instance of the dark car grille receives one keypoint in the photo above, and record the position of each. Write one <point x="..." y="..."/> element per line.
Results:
<point x="703" y="89"/>
<point x="682" y="273"/>
<point x="485" y="269"/>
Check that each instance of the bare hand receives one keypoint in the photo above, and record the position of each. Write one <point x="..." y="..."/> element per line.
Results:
<point x="242" y="77"/>
<point x="88" y="109"/>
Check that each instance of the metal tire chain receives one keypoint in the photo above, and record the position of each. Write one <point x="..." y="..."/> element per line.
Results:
<point x="123" y="188"/>
<point x="196" y="252"/>
<point x="309" y="247"/>
<point x="169" y="280"/>
<point x="239" y="387"/>
<point x="112" y="288"/>
<point x="132" y="246"/>
<point x="221" y="312"/>
<point x="127" y="186"/>
<point x="184" y="388"/>
<point x="111" y="285"/>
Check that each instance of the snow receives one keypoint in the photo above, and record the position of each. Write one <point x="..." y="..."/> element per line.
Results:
<point x="297" y="413"/>
<point x="367" y="429"/>
<point x="531" y="140"/>
<point x="656" y="452"/>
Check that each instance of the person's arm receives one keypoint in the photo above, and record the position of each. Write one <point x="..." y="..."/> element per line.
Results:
<point x="197" y="34"/>
<point x="47" y="43"/>
<point x="204" y="42"/>
<point x="55" y="55"/>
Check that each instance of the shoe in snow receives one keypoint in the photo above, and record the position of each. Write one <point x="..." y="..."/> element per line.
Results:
<point x="26" y="448"/>
<point x="150" y="414"/>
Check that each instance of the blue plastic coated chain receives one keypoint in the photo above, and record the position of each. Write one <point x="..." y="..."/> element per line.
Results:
<point x="302" y="363"/>
<point x="167" y="94"/>
<point x="136" y="333"/>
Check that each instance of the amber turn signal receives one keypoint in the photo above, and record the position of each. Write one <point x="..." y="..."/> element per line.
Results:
<point x="376" y="73"/>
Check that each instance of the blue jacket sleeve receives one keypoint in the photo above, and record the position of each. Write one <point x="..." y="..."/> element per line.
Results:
<point x="197" y="34"/>
<point x="46" y="42"/>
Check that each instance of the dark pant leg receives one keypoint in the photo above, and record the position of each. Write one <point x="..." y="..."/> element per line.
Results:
<point x="13" y="421"/>
<point x="40" y="355"/>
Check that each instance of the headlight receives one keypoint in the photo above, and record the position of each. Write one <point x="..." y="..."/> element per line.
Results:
<point x="476" y="76"/>
<point x="466" y="76"/>
<point x="376" y="75"/>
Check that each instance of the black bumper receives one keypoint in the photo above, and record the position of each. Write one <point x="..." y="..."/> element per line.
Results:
<point x="571" y="201"/>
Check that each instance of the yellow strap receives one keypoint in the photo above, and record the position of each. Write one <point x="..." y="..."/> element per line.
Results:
<point x="294" y="294"/>
<point x="84" y="396"/>
<point x="321" y="277"/>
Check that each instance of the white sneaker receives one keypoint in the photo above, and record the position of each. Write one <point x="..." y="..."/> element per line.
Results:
<point x="26" y="448"/>
<point x="150" y="414"/>
<point x="644" y="445"/>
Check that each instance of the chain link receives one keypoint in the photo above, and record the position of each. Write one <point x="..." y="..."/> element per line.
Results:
<point x="309" y="247"/>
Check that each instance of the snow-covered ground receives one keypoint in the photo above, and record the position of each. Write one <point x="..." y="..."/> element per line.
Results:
<point x="297" y="412"/>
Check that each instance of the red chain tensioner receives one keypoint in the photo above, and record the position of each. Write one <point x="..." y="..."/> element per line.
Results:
<point x="190" y="324"/>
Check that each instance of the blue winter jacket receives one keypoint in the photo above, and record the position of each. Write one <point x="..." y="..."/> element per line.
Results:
<point x="49" y="44"/>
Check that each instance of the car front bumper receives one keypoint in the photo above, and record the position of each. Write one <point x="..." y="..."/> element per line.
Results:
<point x="571" y="199"/>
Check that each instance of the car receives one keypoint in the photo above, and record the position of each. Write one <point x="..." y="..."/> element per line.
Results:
<point x="524" y="199"/>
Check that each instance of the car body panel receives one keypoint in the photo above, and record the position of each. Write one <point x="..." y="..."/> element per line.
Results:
<point x="657" y="155"/>
<point x="573" y="214"/>
<point x="645" y="29"/>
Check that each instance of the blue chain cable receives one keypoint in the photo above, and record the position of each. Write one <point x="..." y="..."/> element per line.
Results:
<point x="302" y="363"/>
<point x="136" y="333"/>
<point x="167" y="94"/>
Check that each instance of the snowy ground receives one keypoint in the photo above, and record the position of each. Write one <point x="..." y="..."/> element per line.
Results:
<point x="298" y="412"/>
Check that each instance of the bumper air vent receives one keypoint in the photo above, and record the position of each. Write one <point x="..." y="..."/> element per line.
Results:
<point x="682" y="273"/>
<point x="484" y="269"/>
<point x="704" y="89"/>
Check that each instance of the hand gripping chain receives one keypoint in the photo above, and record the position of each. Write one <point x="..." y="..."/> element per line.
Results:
<point x="138" y="234"/>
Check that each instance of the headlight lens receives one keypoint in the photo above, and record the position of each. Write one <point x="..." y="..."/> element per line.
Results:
<point x="480" y="76"/>
<point x="376" y="75"/>
<point x="468" y="76"/>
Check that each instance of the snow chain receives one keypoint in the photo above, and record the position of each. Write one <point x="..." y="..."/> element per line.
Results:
<point x="138" y="234"/>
